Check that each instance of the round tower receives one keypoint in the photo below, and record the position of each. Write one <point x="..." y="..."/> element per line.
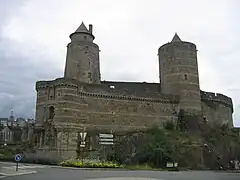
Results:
<point x="82" y="62"/>
<point x="178" y="70"/>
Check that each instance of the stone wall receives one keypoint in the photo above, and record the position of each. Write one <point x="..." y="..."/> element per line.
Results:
<point x="217" y="108"/>
<point x="100" y="106"/>
<point x="113" y="107"/>
<point x="82" y="107"/>
<point x="110" y="113"/>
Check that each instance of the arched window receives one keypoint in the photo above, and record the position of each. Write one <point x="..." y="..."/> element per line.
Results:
<point x="51" y="112"/>
<point x="185" y="77"/>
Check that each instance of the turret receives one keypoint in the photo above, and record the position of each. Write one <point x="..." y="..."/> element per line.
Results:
<point x="82" y="62"/>
<point x="178" y="70"/>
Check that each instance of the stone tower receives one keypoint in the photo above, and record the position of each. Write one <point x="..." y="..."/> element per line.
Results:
<point x="178" y="70"/>
<point x="82" y="62"/>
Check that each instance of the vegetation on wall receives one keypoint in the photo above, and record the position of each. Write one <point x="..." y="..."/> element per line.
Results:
<point x="211" y="148"/>
<point x="187" y="121"/>
<point x="157" y="151"/>
<point x="177" y="141"/>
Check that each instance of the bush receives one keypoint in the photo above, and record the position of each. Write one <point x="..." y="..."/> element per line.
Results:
<point x="8" y="158"/>
<point x="169" y="125"/>
<point x="157" y="150"/>
<point x="89" y="164"/>
<point x="41" y="158"/>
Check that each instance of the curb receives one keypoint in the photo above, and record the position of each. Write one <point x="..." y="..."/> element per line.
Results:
<point x="91" y="169"/>
<point x="229" y="171"/>
<point x="16" y="174"/>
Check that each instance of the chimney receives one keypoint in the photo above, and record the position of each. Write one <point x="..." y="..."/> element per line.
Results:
<point x="90" y="28"/>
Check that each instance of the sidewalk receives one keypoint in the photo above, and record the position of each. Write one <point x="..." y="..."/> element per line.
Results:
<point x="11" y="171"/>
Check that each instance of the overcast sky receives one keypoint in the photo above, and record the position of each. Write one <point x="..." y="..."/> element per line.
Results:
<point x="34" y="35"/>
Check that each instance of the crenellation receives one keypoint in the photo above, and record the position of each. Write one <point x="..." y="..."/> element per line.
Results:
<point x="217" y="97"/>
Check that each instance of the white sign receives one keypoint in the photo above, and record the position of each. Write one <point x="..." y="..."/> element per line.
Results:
<point x="106" y="139"/>
<point x="106" y="143"/>
<point x="106" y="135"/>
<point x="83" y="135"/>
<point x="170" y="164"/>
<point x="83" y="144"/>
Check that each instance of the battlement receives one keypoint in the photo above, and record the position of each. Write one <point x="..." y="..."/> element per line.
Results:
<point x="217" y="97"/>
<point x="184" y="45"/>
<point x="116" y="90"/>
<point x="56" y="82"/>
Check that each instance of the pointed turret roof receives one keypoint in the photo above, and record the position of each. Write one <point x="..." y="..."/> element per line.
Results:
<point x="82" y="28"/>
<point x="176" y="38"/>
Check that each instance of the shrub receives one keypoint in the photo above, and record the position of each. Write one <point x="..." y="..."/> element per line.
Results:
<point x="41" y="158"/>
<point x="89" y="164"/>
<point x="169" y="125"/>
<point x="157" y="150"/>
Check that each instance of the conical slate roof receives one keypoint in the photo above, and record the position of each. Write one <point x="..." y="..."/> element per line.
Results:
<point x="82" y="28"/>
<point x="176" y="38"/>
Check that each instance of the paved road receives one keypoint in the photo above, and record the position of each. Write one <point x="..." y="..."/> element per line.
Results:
<point x="51" y="173"/>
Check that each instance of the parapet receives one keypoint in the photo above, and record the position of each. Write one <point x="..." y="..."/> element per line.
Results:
<point x="56" y="82"/>
<point x="217" y="97"/>
<point x="184" y="45"/>
<point x="116" y="90"/>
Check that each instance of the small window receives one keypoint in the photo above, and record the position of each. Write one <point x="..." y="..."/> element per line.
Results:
<point x="85" y="37"/>
<point x="51" y="112"/>
<point x="89" y="75"/>
<point x="86" y="49"/>
<point x="185" y="77"/>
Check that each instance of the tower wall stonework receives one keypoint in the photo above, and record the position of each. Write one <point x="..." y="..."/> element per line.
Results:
<point x="82" y="61"/>
<point x="179" y="73"/>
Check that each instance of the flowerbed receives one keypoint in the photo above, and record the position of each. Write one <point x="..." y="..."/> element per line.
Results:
<point x="89" y="164"/>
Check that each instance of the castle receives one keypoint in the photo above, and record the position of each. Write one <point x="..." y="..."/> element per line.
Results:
<point x="80" y="101"/>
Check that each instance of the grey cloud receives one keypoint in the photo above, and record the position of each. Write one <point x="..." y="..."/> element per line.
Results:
<point x="7" y="7"/>
<point x="18" y="77"/>
<point x="19" y="71"/>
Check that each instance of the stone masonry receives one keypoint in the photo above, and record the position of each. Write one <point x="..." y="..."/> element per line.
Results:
<point x="80" y="101"/>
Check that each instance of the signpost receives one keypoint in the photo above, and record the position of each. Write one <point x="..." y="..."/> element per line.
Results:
<point x="83" y="143"/>
<point x="83" y="137"/>
<point x="18" y="158"/>
<point x="106" y="139"/>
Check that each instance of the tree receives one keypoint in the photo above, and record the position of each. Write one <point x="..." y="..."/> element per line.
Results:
<point x="157" y="150"/>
